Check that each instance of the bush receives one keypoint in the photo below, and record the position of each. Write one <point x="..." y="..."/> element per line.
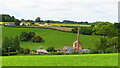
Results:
<point x="26" y="36"/>
<point x="56" y="53"/>
<point x="75" y="52"/>
<point x="51" y="49"/>
<point x="21" y="50"/>
<point x="94" y="51"/>
<point x="26" y="51"/>
<point x="111" y="50"/>
<point x="11" y="53"/>
<point x="86" y="31"/>
<point x="37" y="39"/>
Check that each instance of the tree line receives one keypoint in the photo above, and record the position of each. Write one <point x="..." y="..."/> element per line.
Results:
<point x="8" y="18"/>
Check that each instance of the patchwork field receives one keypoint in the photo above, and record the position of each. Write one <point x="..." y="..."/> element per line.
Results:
<point x="70" y="25"/>
<point x="57" y="24"/>
<point x="62" y="60"/>
<point x="54" y="38"/>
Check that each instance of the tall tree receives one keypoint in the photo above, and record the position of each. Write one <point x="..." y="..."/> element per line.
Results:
<point x="16" y="43"/>
<point x="37" y="19"/>
<point x="17" y="22"/>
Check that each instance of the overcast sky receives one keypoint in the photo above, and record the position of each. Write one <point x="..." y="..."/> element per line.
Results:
<point x="77" y="10"/>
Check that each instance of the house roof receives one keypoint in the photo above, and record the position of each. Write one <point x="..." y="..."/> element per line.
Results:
<point x="68" y="48"/>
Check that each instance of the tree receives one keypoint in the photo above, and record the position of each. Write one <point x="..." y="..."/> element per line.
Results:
<point x="5" y="43"/>
<point x="21" y="50"/>
<point x="102" y="45"/>
<point x="16" y="43"/>
<point x="17" y="22"/>
<point x="24" y="36"/>
<point x="27" y="36"/>
<point x="26" y="51"/>
<point x="30" y="35"/>
<point x="51" y="49"/>
<point x="37" y="39"/>
<point x="37" y="19"/>
<point x="22" y="20"/>
<point x="105" y="29"/>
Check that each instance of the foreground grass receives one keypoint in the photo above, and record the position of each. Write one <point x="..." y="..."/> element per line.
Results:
<point x="54" y="38"/>
<point x="62" y="60"/>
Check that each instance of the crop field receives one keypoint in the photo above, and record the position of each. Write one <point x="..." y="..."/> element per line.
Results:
<point x="51" y="37"/>
<point x="62" y="60"/>
<point x="56" y="24"/>
<point x="53" y="24"/>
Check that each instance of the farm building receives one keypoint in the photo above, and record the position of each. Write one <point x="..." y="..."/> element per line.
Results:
<point x="66" y="49"/>
<point x="24" y="23"/>
<point x="44" y="24"/>
<point x="41" y="51"/>
<point x="9" y="23"/>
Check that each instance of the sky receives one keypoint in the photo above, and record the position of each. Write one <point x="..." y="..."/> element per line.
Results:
<point x="76" y="10"/>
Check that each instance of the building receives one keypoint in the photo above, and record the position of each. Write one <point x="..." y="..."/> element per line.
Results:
<point x="41" y="51"/>
<point x="10" y="23"/>
<point x="77" y="44"/>
<point x="44" y="24"/>
<point x="24" y="24"/>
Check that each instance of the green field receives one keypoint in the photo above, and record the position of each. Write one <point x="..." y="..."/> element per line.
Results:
<point x="62" y="60"/>
<point x="54" y="38"/>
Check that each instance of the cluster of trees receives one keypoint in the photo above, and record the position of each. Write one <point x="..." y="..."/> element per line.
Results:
<point x="66" y="21"/>
<point x="10" y="45"/>
<point x="6" y="18"/>
<point x="108" y="33"/>
<point x="30" y="36"/>
<point x="83" y="30"/>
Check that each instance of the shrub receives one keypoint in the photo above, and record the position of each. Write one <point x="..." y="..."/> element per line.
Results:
<point x="21" y="50"/>
<point x="51" y="49"/>
<point x="26" y="51"/>
<point x="56" y="53"/>
<point x="111" y="50"/>
<point x="75" y="52"/>
<point x="94" y="51"/>
<point x="37" y="39"/>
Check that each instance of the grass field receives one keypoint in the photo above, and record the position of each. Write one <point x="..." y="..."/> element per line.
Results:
<point x="62" y="60"/>
<point x="52" y="37"/>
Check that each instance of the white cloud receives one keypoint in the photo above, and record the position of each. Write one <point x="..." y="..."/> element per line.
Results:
<point x="78" y="10"/>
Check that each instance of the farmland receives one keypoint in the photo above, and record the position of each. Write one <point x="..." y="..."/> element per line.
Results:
<point x="57" y="24"/>
<point x="62" y="60"/>
<point x="51" y="37"/>
<point x="70" y="25"/>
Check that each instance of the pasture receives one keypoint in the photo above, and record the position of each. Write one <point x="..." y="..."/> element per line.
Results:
<point x="62" y="60"/>
<point x="51" y="37"/>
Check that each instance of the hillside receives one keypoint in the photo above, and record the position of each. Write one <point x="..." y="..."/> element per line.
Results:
<point x="51" y="37"/>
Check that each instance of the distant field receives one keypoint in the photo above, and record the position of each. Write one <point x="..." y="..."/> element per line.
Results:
<point x="70" y="25"/>
<point x="55" y="24"/>
<point x="62" y="60"/>
<point x="54" y="38"/>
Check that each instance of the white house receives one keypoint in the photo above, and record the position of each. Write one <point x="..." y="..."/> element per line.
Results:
<point x="24" y="23"/>
<point x="44" y="24"/>
<point x="9" y="23"/>
<point x="41" y="51"/>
